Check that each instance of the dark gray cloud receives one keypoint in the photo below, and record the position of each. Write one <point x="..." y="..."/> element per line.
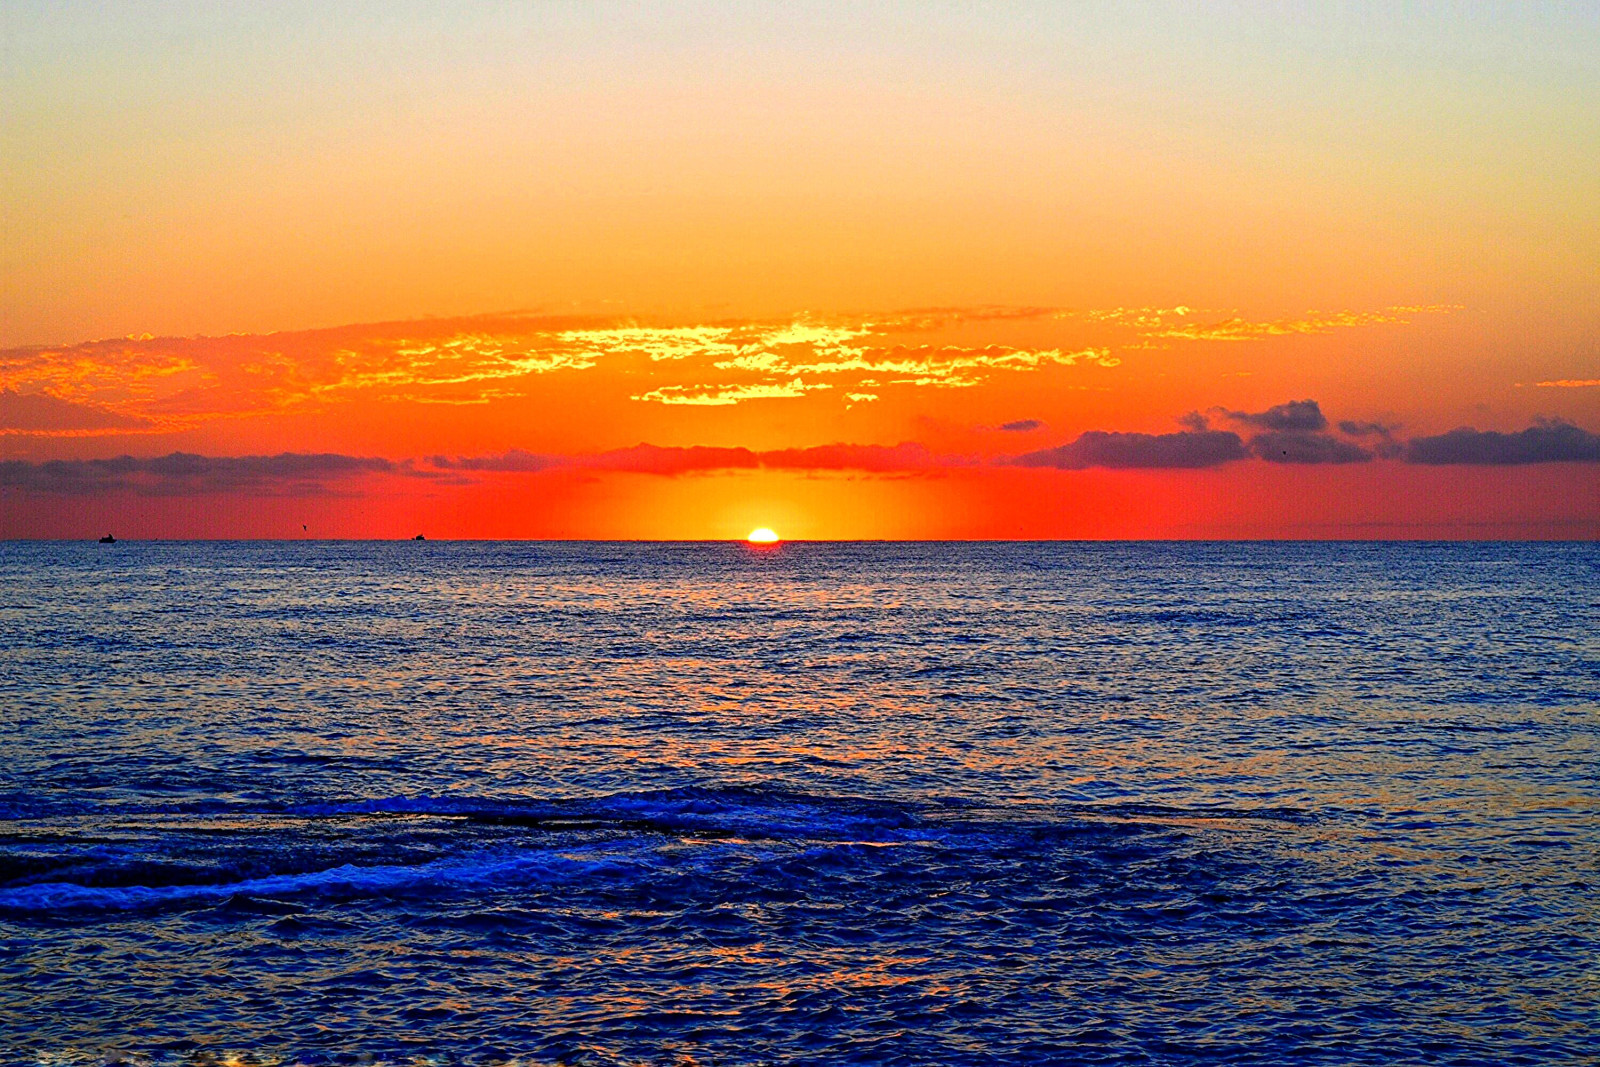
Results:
<point x="1300" y="446"/>
<point x="669" y="460"/>
<point x="1022" y="426"/>
<point x="1293" y="432"/>
<point x="41" y="413"/>
<point x="1379" y="437"/>
<point x="514" y="460"/>
<point x="296" y="474"/>
<point x="183" y="474"/>
<point x="1547" y="442"/>
<point x="1367" y="429"/>
<point x="1099" y="448"/>
<point x="906" y="456"/>
<point x="639" y="459"/>
<point x="1296" y="415"/>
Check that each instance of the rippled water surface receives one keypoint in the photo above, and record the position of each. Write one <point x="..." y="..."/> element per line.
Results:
<point x="833" y="803"/>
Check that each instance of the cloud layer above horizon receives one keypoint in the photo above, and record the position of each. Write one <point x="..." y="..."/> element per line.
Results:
<point x="1296" y="432"/>
<point x="161" y="385"/>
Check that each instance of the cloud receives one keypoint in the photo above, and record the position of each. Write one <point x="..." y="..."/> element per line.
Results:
<point x="169" y="384"/>
<point x="684" y="459"/>
<point x="1381" y="434"/>
<point x="927" y="319"/>
<point x="1295" y="415"/>
<point x="177" y="382"/>
<point x="1569" y="383"/>
<point x="906" y="456"/>
<point x="1294" y="433"/>
<point x="657" y="342"/>
<point x="1022" y="426"/>
<point x="1303" y="446"/>
<point x="1238" y="329"/>
<point x="41" y="413"/>
<point x="1100" y="448"/>
<point x="184" y="474"/>
<point x="1547" y="442"/>
<point x="300" y="474"/>
<point x="656" y="459"/>
<point x="1190" y="449"/>
<point x="951" y="365"/>
<point x="1367" y="429"/>
<point x="514" y="460"/>
<point x="724" y="395"/>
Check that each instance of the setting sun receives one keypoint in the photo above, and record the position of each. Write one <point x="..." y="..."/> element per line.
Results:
<point x="762" y="536"/>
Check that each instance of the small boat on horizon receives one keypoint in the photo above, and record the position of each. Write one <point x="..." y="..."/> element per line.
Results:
<point x="108" y="540"/>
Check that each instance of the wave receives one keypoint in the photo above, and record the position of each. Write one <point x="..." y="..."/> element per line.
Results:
<point x="626" y="834"/>
<point x="751" y="811"/>
<point x="346" y="880"/>
<point x="1184" y="813"/>
<point x="724" y="811"/>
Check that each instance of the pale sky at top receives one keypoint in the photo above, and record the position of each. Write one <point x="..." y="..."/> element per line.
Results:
<point x="217" y="167"/>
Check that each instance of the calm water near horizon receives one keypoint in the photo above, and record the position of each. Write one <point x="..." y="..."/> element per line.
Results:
<point x="898" y="803"/>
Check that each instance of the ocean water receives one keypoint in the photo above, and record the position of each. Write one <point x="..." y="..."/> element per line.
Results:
<point x="825" y="804"/>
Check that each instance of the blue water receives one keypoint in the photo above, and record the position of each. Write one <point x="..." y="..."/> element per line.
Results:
<point x="835" y="803"/>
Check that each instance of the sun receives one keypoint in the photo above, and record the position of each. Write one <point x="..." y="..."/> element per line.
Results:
<point x="762" y="536"/>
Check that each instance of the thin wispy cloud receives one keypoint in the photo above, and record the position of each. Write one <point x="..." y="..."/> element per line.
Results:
<point x="41" y="413"/>
<point x="727" y="395"/>
<point x="1240" y="329"/>
<point x="926" y="365"/>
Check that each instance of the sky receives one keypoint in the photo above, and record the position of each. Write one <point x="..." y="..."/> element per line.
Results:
<point x="896" y="270"/>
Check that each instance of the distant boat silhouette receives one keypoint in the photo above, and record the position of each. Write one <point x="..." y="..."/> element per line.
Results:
<point x="108" y="540"/>
<point x="419" y="537"/>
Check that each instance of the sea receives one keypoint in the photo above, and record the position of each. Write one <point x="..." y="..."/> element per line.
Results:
<point x="824" y="803"/>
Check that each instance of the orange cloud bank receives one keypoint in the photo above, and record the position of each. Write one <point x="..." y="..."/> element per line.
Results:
<point x="972" y="423"/>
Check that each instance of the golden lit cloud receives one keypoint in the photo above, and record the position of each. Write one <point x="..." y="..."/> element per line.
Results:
<point x="724" y="395"/>
<point x="1153" y="325"/>
<point x="925" y="365"/>
<point x="166" y="384"/>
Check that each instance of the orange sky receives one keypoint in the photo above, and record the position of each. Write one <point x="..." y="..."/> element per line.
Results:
<point x="778" y="228"/>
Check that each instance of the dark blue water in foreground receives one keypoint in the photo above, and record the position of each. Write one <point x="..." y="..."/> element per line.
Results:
<point x="883" y="803"/>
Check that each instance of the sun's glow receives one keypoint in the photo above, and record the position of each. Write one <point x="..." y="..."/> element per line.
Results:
<point x="762" y="536"/>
